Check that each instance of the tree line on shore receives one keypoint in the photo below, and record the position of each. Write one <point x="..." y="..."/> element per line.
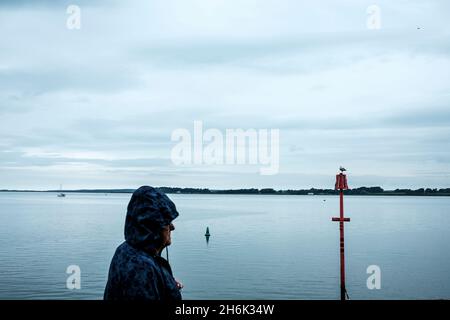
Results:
<point x="314" y="191"/>
<point x="375" y="191"/>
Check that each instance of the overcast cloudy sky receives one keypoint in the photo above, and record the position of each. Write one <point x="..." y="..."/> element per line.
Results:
<point x="95" y="107"/>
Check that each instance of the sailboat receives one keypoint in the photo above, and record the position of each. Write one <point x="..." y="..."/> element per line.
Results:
<point x="61" y="194"/>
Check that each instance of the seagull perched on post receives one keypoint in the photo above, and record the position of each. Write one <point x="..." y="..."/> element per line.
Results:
<point x="342" y="169"/>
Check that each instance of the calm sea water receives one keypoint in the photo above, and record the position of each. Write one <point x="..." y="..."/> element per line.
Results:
<point x="262" y="247"/>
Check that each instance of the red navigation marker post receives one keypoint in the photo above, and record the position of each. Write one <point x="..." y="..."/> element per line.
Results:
<point x="341" y="185"/>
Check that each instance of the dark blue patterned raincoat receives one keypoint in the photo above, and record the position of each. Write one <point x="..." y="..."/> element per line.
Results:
<point x="136" y="273"/>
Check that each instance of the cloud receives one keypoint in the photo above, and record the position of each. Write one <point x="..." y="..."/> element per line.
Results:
<point x="27" y="159"/>
<point x="97" y="106"/>
<point x="20" y="4"/>
<point x="45" y="80"/>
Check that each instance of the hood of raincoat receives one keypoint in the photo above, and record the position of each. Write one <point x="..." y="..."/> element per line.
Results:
<point x="149" y="210"/>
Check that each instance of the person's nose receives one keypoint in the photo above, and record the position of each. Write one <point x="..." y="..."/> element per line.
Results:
<point x="171" y="227"/>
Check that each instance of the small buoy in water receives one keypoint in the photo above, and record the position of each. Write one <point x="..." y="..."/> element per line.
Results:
<point x="207" y="234"/>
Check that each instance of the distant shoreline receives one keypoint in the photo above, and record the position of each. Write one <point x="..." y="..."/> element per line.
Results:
<point x="362" y="191"/>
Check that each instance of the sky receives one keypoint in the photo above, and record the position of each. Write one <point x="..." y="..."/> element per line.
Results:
<point x="96" y="107"/>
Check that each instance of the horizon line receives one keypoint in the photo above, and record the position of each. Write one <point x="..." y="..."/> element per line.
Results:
<point x="128" y="190"/>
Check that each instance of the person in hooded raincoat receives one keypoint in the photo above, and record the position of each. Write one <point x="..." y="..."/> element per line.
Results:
<point x="137" y="270"/>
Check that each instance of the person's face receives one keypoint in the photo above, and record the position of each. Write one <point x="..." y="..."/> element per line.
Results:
<point x="166" y="233"/>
